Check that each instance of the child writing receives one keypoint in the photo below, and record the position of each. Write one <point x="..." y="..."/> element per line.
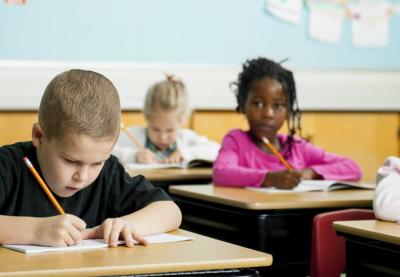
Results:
<point x="266" y="95"/>
<point x="70" y="148"/>
<point x="387" y="193"/>
<point x="166" y="109"/>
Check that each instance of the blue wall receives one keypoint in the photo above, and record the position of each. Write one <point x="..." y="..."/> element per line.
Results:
<point x="175" y="31"/>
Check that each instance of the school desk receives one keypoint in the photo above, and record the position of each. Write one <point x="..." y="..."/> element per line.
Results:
<point x="202" y="253"/>
<point x="167" y="176"/>
<point x="372" y="247"/>
<point x="279" y="224"/>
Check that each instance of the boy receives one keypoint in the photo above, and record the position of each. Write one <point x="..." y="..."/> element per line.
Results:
<point x="79" y="122"/>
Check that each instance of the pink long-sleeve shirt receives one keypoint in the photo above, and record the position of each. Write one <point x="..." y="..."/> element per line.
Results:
<point x="241" y="163"/>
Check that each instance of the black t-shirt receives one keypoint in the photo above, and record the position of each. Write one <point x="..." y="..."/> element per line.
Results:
<point x="113" y="194"/>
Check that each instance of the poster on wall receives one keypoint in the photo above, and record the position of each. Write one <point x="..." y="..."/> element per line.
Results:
<point x="325" y="22"/>
<point x="287" y="10"/>
<point x="370" y="23"/>
<point x="15" y="2"/>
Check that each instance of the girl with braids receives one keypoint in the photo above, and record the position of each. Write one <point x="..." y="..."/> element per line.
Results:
<point x="266" y="95"/>
<point x="166" y="109"/>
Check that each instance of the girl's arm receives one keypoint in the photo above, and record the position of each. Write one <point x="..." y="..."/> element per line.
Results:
<point x="329" y="166"/>
<point x="193" y="146"/>
<point x="125" y="149"/>
<point x="228" y="172"/>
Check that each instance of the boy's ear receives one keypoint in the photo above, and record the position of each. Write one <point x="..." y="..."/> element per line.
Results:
<point x="37" y="134"/>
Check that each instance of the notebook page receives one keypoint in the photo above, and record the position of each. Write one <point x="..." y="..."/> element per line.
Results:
<point x="92" y="244"/>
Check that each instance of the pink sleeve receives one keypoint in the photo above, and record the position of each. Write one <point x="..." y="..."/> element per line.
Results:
<point x="330" y="166"/>
<point x="228" y="172"/>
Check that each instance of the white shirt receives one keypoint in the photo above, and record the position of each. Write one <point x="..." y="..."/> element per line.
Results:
<point x="191" y="145"/>
<point x="387" y="193"/>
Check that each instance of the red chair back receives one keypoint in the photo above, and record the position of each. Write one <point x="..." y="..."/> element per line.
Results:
<point x="328" y="249"/>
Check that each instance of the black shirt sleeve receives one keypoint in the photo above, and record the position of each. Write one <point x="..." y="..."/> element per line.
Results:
<point x="129" y="194"/>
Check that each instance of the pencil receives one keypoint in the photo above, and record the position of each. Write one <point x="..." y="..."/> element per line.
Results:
<point x="130" y="136"/>
<point x="276" y="153"/>
<point x="44" y="186"/>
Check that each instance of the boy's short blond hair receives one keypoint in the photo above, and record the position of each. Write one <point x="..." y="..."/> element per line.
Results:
<point x="167" y="96"/>
<point x="80" y="101"/>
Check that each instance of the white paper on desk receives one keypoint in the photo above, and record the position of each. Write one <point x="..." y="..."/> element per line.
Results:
<point x="317" y="185"/>
<point x="325" y="23"/>
<point x="92" y="244"/>
<point x="370" y="23"/>
<point x="140" y="166"/>
<point x="288" y="10"/>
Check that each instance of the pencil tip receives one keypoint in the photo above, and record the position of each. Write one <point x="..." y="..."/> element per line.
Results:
<point x="265" y="140"/>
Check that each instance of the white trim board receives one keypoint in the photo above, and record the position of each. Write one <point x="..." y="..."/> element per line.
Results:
<point x="23" y="82"/>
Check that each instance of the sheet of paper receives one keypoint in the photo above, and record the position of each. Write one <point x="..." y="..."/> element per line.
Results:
<point x="92" y="244"/>
<point x="287" y="10"/>
<point x="325" y="23"/>
<point x="140" y="166"/>
<point x="314" y="185"/>
<point x="370" y="23"/>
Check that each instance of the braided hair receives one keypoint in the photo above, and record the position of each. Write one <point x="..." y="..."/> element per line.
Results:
<point x="258" y="69"/>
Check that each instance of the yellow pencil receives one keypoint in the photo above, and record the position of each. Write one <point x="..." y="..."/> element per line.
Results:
<point x="276" y="153"/>
<point x="130" y="136"/>
<point x="44" y="186"/>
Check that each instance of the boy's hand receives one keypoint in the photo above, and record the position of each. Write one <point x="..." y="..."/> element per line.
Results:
<point x="175" y="157"/>
<point x="145" y="156"/>
<point x="61" y="230"/>
<point x="285" y="179"/>
<point x="114" y="228"/>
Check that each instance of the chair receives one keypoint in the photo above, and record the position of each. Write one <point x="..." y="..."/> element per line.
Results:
<point x="327" y="248"/>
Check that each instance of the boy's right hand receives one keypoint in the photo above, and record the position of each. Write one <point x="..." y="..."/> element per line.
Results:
<point x="61" y="230"/>
<point x="285" y="179"/>
<point x="145" y="156"/>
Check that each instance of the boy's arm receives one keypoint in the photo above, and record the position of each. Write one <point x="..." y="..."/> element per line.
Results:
<point x="16" y="229"/>
<point x="61" y="230"/>
<point x="157" y="217"/>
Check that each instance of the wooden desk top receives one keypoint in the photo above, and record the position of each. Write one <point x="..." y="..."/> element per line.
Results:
<point x="199" y="254"/>
<point x="371" y="229"/>
<point x="173" y="174"/>
<point x="253" y="200"/>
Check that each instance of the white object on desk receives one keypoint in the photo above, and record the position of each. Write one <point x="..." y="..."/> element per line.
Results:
<point x="91" y="244"/>
<point x="317" y="185"/>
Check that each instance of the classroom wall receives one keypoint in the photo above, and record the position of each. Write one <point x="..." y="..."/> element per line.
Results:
<point x="223" y="32"/>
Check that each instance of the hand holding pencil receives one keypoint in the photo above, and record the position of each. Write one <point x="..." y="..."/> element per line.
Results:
<point x="143" y="155"/>
<point x="284" y="179"/>
<point x="61" y="230"/>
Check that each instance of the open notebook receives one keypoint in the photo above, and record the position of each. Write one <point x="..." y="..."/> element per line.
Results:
<point x="91" y="244"/>
<point x="184" y="164"/>
<point x="318" y="185"/>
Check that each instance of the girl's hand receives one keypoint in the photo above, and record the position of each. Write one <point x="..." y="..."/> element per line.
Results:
<point x="285" y="179"/>
<point x="175" y="157"/>
<point x="309" y="174"/>
<point x="112" y="229"/>
<point x="145" y="156"/>
<point x="59" y="231"/>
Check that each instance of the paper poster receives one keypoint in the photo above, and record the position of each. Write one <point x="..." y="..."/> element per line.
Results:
<point x="325" y="22"/>
<point x="396" y="9"/>
<point x="287" y="10"/>
<point x="15" y="2"/>
<point x="370" y="23"/>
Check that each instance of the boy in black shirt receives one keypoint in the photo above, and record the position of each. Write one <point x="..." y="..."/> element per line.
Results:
<point x="79" y="122"/>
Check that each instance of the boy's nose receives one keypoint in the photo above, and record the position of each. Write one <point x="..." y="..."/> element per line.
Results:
<point x="82" y="174"/>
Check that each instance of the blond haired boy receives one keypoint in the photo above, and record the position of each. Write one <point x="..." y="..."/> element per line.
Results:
<point x="79" y="122"/>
